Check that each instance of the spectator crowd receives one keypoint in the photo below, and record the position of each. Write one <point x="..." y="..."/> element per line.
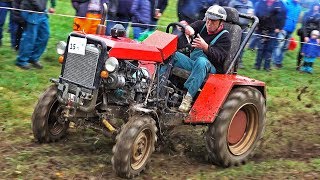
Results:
<point x="278" y="21"/>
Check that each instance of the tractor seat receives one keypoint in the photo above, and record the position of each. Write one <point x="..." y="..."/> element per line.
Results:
<point x="231" y="25"/>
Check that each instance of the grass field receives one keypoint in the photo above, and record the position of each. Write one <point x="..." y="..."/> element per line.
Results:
<point x="290" y="148"/>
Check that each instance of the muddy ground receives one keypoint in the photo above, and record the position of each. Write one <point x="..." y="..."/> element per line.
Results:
<point x="86" y="155"/>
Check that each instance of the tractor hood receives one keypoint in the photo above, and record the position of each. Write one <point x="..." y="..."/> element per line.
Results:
<point x="157" y="47"/>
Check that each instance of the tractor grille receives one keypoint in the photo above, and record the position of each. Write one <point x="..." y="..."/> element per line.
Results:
<point x="81" y="69"/>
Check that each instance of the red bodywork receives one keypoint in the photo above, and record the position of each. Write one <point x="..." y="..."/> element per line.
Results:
<point x="156" y="48"/>
<point x="214" y="93"/>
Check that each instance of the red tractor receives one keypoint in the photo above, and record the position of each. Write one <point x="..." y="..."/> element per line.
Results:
<point x="105" y="79"/>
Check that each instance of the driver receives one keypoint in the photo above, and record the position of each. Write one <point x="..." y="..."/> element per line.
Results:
<point x="211" y="47"/>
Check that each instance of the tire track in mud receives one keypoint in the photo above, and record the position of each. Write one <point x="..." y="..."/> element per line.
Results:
<point x="293" y="137"/>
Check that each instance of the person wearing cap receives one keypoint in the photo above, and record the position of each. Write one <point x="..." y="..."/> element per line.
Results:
<point x="211" y="46"/>
<point x="310" y="51"/>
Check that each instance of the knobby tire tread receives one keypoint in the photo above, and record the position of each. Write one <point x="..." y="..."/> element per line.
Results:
<point x="121" y="159"/>
<point x="216" y="134"/>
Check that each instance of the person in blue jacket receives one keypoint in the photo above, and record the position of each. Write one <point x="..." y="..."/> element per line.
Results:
<point x="191" y="10"/>
<point x="36" y="33"/>
<point x="293" y="12"/>
<point x="141" y="16"/>
<point x="310" y="51"/>
<point x="271" y="14"/>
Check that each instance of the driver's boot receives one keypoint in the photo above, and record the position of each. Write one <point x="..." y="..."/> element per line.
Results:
<point x="185" y="106"/>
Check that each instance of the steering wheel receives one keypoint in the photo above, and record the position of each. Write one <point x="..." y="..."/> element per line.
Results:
<point x="183" y="27"/>
<point x="184" y="45"/>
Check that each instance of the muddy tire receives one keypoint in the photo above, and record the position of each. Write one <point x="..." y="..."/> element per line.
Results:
<point x="134" y="146"/>
<point x="45" y="125"/>
<point x="238" y="128"/>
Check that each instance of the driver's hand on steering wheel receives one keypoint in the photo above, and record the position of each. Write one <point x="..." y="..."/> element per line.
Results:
<point x="199" y="42"/>
<point x="189" y="30"/>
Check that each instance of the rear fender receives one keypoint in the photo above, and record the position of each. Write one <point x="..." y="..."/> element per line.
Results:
<point x="213" y="94"/>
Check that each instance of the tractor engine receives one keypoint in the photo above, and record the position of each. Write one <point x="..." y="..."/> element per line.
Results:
<point x="81" y="85"/>
<point x="127" y="83"/>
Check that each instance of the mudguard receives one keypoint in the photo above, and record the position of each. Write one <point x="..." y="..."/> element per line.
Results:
<point x="213" y="94"/>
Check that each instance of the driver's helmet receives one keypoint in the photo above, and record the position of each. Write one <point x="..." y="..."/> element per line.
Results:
<point x="216" y="12"/>
<point x="118" y="31"/>
<point x="315" y="33"/>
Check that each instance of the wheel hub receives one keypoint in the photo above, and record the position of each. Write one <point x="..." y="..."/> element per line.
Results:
<point x="243" y="129"/>
<point x="141" y="149"/>
<point x="237" y="127"/>
<point x="54" y="119"/>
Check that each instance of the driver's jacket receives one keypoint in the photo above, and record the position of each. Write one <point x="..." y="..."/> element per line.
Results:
<point x="217" y="52"/>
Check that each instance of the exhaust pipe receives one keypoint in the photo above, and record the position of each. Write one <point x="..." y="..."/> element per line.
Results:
<point x="101" y="29"/>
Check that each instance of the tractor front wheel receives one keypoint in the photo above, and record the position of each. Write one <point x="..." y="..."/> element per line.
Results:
<point x="134" y="146"/>
<point x="238" y="128"/>
<point x="47" y="125"/>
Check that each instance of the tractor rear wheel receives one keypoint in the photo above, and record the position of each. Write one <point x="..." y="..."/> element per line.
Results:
<point x="46" y="123"/>
<point x="238" y="128"/>
<point x="134" y="146"/>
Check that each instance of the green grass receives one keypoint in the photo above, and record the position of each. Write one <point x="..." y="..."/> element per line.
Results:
<point x="290" y="147"/>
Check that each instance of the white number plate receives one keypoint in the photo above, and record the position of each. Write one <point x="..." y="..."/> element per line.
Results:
<point x="77" y="45"/>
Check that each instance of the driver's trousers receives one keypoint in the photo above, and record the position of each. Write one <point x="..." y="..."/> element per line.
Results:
<point x="199" y="66"/>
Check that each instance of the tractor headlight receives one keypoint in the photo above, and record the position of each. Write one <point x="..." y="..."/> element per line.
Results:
<point x="61" y="47"/>
<point x="111" y="64"/>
